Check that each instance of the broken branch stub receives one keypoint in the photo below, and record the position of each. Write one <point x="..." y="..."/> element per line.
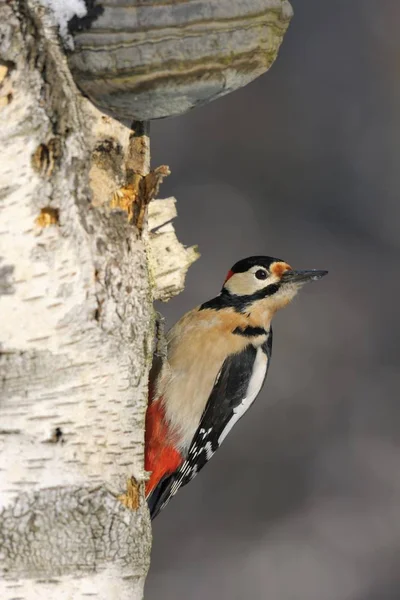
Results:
<point x="148" y="60"/>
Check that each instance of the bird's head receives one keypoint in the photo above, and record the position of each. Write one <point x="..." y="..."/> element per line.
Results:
<point x="265" y="282"/>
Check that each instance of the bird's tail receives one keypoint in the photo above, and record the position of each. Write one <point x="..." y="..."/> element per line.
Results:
<point x="160" y="495"/>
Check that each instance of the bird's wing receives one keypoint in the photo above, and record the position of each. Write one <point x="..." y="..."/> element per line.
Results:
<point x="235" y="389"/>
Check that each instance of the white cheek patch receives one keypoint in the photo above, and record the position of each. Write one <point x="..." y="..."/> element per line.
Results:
<point x="255" y="384"/>
<point x="244" y="284"/>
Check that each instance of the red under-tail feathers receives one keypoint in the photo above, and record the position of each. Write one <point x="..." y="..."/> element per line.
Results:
<point x="161" y="458"/>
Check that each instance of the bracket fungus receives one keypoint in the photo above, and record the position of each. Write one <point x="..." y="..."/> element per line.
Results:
<point x="146" y="59"/>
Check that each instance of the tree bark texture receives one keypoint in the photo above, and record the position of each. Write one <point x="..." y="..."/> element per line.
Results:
<point x="80" y="263"/>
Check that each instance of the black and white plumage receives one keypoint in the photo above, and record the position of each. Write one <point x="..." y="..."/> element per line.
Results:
<point x="236" y="387"/>
<point x="218" y="358"/>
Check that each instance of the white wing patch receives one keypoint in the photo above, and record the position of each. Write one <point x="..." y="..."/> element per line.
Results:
<point x="255" y="384"/>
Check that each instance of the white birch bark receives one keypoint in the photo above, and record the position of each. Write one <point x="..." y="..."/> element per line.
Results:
<point x="76" y="328"/>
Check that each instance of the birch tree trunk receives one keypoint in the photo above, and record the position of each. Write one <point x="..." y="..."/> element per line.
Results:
<point x="76" y="327"/>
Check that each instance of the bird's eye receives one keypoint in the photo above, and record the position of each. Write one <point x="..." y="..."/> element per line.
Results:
<point x="261" y="274"/>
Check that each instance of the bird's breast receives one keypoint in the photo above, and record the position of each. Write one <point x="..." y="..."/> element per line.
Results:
<point x="197" y="348"/>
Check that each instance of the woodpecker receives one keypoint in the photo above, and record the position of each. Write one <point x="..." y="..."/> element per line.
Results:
<point x="217" y="361"/>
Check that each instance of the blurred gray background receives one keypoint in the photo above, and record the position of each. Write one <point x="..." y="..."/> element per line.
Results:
<point x="302" y="502"/>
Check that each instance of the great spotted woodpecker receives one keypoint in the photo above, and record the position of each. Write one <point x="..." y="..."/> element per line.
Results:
<point x="217" y="360"/>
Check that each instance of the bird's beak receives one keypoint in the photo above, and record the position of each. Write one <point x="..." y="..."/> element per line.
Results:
<point x="302" y="276"/>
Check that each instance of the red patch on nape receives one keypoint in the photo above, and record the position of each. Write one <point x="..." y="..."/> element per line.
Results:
<point x="228" y="276"/>
<point x="278" y="268"/>
<point x="161" y="458"/>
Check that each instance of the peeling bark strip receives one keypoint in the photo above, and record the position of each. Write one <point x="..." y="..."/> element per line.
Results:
<point x="169" y="260"/>
<point x="135" y="196"/>
<point x="148" y="60"/>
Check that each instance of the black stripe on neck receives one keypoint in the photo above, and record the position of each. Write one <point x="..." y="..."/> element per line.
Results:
<point x="239" y="303"/>
<point x="249" y="331"/>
